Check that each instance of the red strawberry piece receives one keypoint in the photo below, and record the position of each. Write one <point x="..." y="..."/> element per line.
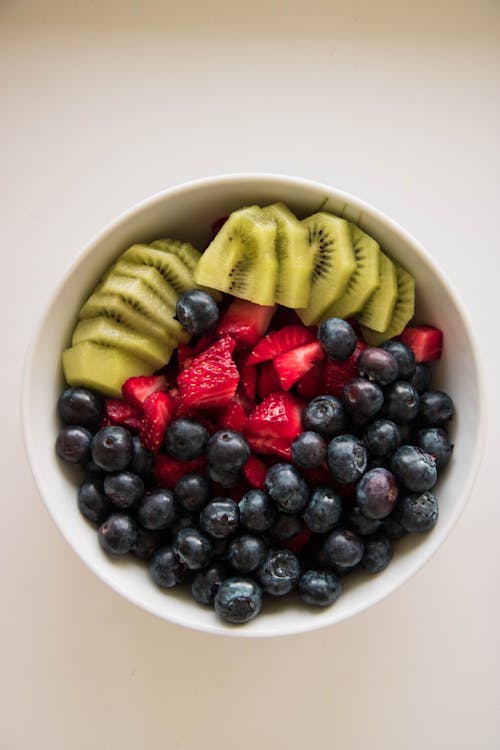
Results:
<point x="159" y="410"/>
<point x="267" y="380"/>
<point x="292" y="365"/>
<point x="298" y="542"/>
<point x="338" y="373"/>
<point x="136" y="390"/>
<point x="318" y="477"/>
<point x="211" y="379"/>
<point x="255" y="472"/>
<point x="312" y="383"/>
<point x="245" y="321"/>
<point x="285" y="316"/>
<point x="168" y="471"/>
<point x="279" y="342"/>
<point x="248" y="374"/>
<point x="277" y="416"/>
<point x="426" y="342"/>
<point x="186" y="353"/>
<point x="247" y="403"/>
<point x="271" y="446"/>
<point x="233" y="417"/>
<point x="120" y="412"/>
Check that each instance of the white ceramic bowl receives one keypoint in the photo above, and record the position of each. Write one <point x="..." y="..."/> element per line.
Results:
<point x="187" y="212"/>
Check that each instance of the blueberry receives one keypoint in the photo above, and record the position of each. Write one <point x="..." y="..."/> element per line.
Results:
<point x="320" y="588"/>
<point x="360" y="524"/>
<point x="206" y="582"/>
<point x="246" y="553"/>
<point x="418" y="512"/>
<point x="401" y="401"/>
<point x="382" y="437"/>
<point x="73" y="444"/>
<point x="166" y="569"/>
<point x="142" y="459"/>
<point x="377" y="364"/>
<point x="435" y="440"/>
<point x="436" y="408"/>
<point x="362" y="399"/>
<point x="193" y="548"/>
<point x="228" y="451"/>
<point x="118" y="534"/>
<point x="404" y="357"/>
<point x="342" y="549"/>
<point x="377" y="554"/>
<point x="192" y="492"/>
<point x="220" y="518"/>
<point x="286" y="526"/>
<point x="93" y="470"/>
<point x="196" y="311"/>
<point x="347" y="458"/>
<point x="186" y="439"/>
<point x="80" y="406"/>
<point x="421" y="378"/>
<point x="238" y="600"/>
<point x="337" y="338"/>
<point x="414" y="468"/>
<point x="279" y="573"/>
<point x="308" y="450"/>
<point x="112" y="448"/>
<point x="186" y="521"/>
<point x="92" y="502"/>
<point x="325" y="415"/>
<point x="157" y="509"/>
<point x="147" y="543"/>
<point x="287" y="488"/>
<point x="391" y="526"/>
<point x="377" y="493"/>
<point x="323" y="511"/>
<point x="124" y="488"/>
<point x="226" y="479"/>
<point x="257" y="511"/>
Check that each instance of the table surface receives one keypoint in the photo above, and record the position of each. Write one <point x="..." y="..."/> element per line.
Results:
<point x="105" y="103"/>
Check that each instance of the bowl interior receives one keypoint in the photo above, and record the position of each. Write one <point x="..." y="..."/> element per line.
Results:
<point x="187" y="212"/>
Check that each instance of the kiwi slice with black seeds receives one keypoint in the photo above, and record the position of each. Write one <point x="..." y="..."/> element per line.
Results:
<point x="173" y="270"/>
<point x="150" y="276"/>
<point x="377" y="311"/>
<point x="402" y="313"/>
<point x="102" y="368"/>
<point x="241" y="259"/>
<point x="333" y="262"/>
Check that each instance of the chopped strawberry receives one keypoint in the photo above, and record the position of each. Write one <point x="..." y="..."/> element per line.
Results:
<point x="186" y="353"/>
<point x="136" y="390"/>
<point x="118" y="411"/>
<point x="338" y="373"/>
<point x="271" y="446"/>
<point x="277" y="416"/>
<point x="298" y="542"/>
<point x="245" y="321"/>
<point x="267" y="380"/>
<point x="255" y="472"/>
<point x="168" y="471"/>
<point x="233" y="417"/>
<point x="248" y="374"/>
<point x="317" y="477"/>
<point x="312" y="384"/>
<point x="211" y="379"/>
<point x="426" y="342"/>
<point x="281" y="341"/>
<point x="159" y="410"/>
<point x="284" y="316"/>
<point x="293" y="364"/>
<point x="247" y="403"/>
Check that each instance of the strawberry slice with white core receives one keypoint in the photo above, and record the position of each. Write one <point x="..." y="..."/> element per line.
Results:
<point x="136" y="390"/>
<point x="426" y="342"/>
<point x="211" y="379"/>
<point x="159" y="410"/>
<point x="281" y="341"/>
<point x="277" y="416"/>
<point x="245" y="321"/>
<point x="292" y="365"/>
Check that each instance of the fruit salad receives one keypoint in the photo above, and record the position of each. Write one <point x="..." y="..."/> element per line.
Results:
<point x="258" y="419"/>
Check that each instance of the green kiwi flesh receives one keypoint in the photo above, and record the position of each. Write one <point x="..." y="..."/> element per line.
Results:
<point x="241" y="259"/>
<point x="150" y="276"/>
<point x="333" y="262"/>
<point x="377" y="311"/>
<point x="293" y="288"/>
<point x="363" y="281"/>
<point x="403" y="310"/>
<point x="102" y="368"/>
<point x="173" y="270"/>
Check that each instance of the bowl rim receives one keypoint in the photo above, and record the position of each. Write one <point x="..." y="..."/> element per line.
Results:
<point x="433" y="543"/>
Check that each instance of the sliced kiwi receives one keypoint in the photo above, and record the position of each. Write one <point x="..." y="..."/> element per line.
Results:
<point x="189" y="255"/>
<point x="102" y="368"/>
<point x="377" y="311"/>
<point x="403" y="310"/>
<point x="242" y="259"/>
<point x="333" y="261"/>
<point x="150" y="276"/>
<point x="173" y="270"/>
<point x="294" y="258"/>
<point x="108" y="332"/>
<point x="115" y="308"/>
<point x="364" y="280"/>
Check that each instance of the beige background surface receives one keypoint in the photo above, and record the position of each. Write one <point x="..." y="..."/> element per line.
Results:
<point x="104" y="103"/>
